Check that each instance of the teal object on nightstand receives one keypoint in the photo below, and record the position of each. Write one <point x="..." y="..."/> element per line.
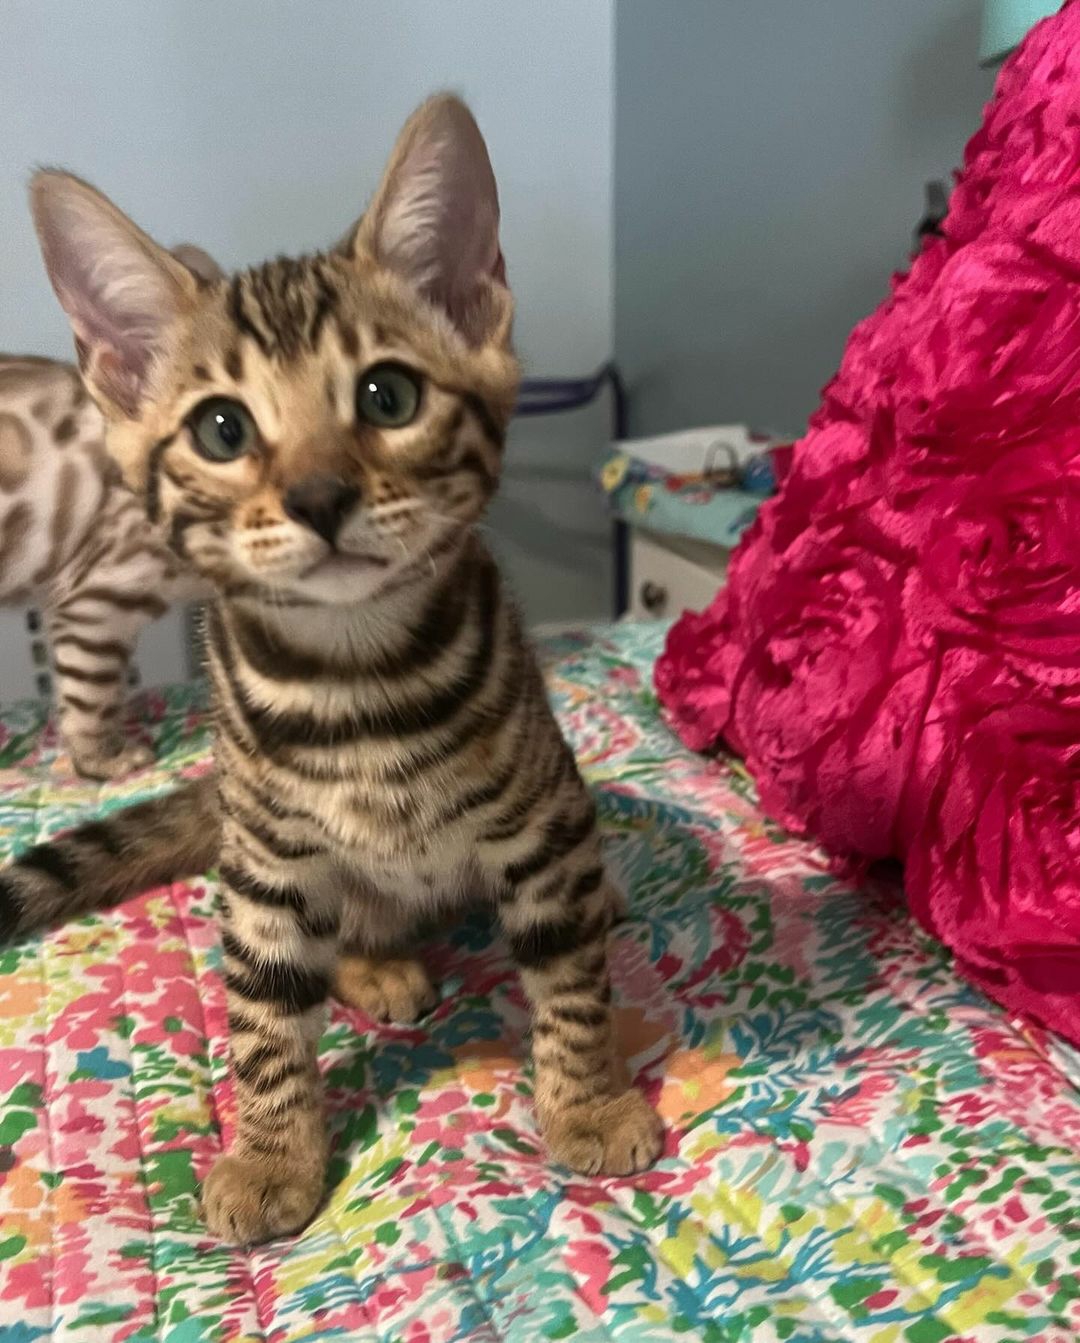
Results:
<point x="1005" y="24"/>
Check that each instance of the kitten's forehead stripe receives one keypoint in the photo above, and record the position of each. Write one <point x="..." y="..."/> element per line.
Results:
<point x="238" y="312"/>
<point x="350" y="340"/>
<point x="284" y="305"/>
<point x="289" y="295"/>
<point x="326" y="302"/>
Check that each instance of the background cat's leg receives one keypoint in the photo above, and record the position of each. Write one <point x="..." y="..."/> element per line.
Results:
<point x="92" y="638"/>
<point x="557" y="907"/>
<point x="280" y="936"/>
<point x="375" y="970"/>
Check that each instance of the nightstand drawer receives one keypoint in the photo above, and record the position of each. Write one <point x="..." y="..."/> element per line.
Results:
<point x="671" y="574"/>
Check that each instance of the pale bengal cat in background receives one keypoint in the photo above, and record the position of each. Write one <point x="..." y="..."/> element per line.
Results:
<point x="74" y="540"/>
<point x="319" y="437"/>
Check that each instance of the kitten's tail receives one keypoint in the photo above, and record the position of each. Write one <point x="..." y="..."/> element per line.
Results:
<point x="102" y="863"/>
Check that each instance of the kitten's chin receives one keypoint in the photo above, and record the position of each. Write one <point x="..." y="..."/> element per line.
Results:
<point x="345" y="567"/>
<point x="342" y="580"/>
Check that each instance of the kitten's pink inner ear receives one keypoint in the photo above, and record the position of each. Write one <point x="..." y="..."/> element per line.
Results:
<point x="435" y="217"/>
<point x="122" y="293"/>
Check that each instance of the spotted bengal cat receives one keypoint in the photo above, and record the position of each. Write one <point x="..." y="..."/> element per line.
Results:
<point x="319" y="438"/>
<point x="74" y="540"/>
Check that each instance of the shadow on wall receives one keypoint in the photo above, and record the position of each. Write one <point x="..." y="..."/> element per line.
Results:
<point x="552" y="534"/>
<point x="770" y="166"/>
<point x="929" y="103"/>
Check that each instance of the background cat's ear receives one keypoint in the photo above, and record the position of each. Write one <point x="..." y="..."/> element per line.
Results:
<point x="201" y="264"/>
<point x="122" y="292"/>
<point x="435" y="219"/>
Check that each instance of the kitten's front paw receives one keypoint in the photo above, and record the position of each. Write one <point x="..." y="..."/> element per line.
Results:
<point x="93" y="765"/>
<point x="620" y="1135"/>
<point x="246" y="1202"/>
<point x="385" y="988"/>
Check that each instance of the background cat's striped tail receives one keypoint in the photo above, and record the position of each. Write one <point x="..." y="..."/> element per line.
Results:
<point x="102" y="863"/>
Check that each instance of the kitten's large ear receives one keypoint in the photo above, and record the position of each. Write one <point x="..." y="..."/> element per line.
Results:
<point x="122" y="292"/>
<point x="435" y="219"/>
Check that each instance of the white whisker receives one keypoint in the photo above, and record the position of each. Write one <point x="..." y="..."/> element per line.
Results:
<point x="394" y="509"/>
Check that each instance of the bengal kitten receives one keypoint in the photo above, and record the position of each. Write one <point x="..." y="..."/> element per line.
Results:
<point x="76" y="542"/>
<point x="319" y="437"/>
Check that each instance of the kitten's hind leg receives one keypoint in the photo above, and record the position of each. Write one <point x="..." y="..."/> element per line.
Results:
<point x="374" y="974"/>
<point x="91" y="660"/>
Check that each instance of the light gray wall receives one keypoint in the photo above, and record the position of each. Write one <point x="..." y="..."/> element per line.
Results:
<point x="257" y="126"/>
<point x="770" y="157"/>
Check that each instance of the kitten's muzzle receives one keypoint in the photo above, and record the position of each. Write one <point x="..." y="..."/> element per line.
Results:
<point x="321" y="503"/>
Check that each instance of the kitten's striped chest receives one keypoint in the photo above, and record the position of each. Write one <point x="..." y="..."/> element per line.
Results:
<point x="384" y="756"/>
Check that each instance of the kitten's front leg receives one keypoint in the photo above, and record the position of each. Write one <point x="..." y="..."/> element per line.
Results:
<point x="280" y="942"/>
<point x="90" y="666"/>
<point x="556" y="906"/>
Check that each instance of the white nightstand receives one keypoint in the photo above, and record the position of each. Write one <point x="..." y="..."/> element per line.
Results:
<point x="672" y="574"/>
<point x="670" y="492"/>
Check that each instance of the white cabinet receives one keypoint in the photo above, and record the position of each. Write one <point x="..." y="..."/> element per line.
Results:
<point x="672" y="574"/>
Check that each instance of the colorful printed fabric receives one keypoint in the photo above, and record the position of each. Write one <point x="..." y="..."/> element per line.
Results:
<point x="708" y="507"/>
<point x="860" y="1147"/>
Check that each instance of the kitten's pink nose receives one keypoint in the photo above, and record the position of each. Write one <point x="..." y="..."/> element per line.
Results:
<point x="321" y="503"/>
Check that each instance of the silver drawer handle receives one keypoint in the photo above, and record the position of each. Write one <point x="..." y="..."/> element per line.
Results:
<point x="653" y="597"/>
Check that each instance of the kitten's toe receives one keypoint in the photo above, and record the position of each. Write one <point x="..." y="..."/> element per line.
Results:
<point x="385" y="988"/>
<point x="619" y="1135"/>
<point x="245" y="1202"/>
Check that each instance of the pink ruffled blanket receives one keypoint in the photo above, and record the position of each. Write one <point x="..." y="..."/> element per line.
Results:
<point x="897" y="652"/>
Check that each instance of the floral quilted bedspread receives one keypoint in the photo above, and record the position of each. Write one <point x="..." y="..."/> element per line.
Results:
<point x="860" y="1147"/>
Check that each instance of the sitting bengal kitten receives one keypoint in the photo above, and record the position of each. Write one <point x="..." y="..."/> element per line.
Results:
<point x="319" y="438"/>
<point x="74" y="540"/>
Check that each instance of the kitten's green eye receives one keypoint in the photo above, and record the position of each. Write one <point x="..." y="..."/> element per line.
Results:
<point x="222" y="429"/>
<point x="387" y="395"/>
